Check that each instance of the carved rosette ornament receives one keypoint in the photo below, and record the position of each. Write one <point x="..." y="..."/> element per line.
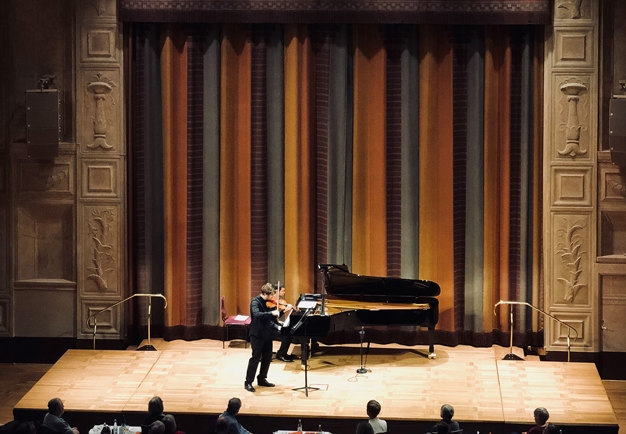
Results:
<point x="100" y="87"/>
<point x="572" y="133"/>
<point x="100" y="6"/>
<point x="573" y="7"/>
<point x="617" y="187"/>
<point x="102" y="259"/>
<point x="571" y="255"/>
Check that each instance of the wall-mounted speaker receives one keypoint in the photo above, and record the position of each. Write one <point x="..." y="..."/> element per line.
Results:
<point x="42" y="123"/>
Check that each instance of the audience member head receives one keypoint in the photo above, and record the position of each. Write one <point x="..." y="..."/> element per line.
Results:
<point x="55" y="407"/>
<point x="234" y="404"/>
<point x="155" y="406"/>
<point x="551" y="429"/>
<point x="442" y="428"/>
<point x="447" y="412"/>
<point x="541" y="416"/>
<point x="156" y="427"/>
<point x="373" y="408"/>
<point x="364" y="427"/>
<point x="170" y="424"/>
<point x="222" y="425"/>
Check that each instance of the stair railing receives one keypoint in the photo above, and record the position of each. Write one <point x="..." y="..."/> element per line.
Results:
<point x="512" y="356"/>
<point x="93" y="317"/>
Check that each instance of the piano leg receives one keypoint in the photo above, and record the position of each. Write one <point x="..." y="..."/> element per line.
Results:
<point x="431" y="342"/>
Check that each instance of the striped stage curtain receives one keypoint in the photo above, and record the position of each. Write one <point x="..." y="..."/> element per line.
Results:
<point x="411" y="151"/>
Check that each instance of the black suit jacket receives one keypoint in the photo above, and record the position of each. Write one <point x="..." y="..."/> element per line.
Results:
<point x="263" y="323"/>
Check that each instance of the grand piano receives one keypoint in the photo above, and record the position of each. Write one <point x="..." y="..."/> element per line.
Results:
<point x="351" y="301"/>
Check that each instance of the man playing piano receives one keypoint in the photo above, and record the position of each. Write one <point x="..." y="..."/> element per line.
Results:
<point x="285" y="337"/>
<point x="262" y="328"/>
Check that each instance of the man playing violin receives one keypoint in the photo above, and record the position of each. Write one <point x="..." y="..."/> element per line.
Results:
<point x="262" y="328"/>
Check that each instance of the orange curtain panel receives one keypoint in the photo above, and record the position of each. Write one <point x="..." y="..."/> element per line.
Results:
<point x="174" y="95"/>
<point x="436" y="236"/>
<point x="496" y="174"/>
<point x="235" y="158"/>
<point x="369" y="230"/>
<point x="299" y="164"/>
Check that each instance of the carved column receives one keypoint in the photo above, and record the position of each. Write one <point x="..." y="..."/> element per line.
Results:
<point x="569" y="170"/>
<point x="101" y="167"/>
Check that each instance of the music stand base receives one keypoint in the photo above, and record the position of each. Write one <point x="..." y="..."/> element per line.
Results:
<point x="306" y="388"/>
<point x="146" y="348"/>
<point x="512" y="356"/>
<point x="361" y="371"/>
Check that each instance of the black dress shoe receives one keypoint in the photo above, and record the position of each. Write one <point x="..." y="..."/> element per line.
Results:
<point x="248" y="387"/>
<point x="263" y="382"/>
<point x="284" y="358"/>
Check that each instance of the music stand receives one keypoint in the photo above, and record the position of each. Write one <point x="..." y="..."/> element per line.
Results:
<point x="305" y="356"/>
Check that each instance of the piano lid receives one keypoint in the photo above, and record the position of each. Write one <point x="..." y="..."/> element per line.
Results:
<point x="342" y="283"/>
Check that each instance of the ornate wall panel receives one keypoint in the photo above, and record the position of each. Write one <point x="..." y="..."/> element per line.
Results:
<point x="46" y="177"/>
<point x="100" y="167"/>
<point x="55" y="311"/>
<point x="99" y="9"/>
<point x="45" y="240"/>
<point x="578" y="10"/>
<point x="612" y="186"/>
<point x="571" y="263"/>
<point x="613" y="308"/>
<point x="100" y="178"/>
<point x="571" y="186"/>
<point x="100" y="121"/>
<point x="108" y="321"/>
<point x="573" y="117"/>
<point x="573" y="48"/>
<point x="101" y="43"/>
<point x="570" y="173"/>
<point x="100" y="272"/>
<point x="582" y="322"/>
<point x="5" y="316"/>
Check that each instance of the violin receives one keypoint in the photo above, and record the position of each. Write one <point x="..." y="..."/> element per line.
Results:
<point x="272" y="304"/>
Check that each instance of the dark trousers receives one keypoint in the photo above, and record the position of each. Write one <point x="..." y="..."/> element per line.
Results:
<point x="261" y="351"/>
<point x="285" y="341"/>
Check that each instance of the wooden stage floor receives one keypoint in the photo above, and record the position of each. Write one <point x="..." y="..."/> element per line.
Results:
<point x="197" y="378"/>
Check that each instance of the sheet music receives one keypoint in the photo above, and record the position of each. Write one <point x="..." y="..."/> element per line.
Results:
<point x="307" y="304"/>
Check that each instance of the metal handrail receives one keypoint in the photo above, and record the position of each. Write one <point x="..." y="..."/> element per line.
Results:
<point x="95" y="324"/>
<point x="523" y="303"/>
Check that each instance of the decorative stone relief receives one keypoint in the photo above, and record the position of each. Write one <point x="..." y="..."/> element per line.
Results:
<point x="45" y="177"/>
<point x="570" y="9"/>
<point x="615" y="187"/>
<point x="100" y="87"/>
<point x="612" y="185"/>
<point x="573" y="89"/>
<point x="103" y="235"/>
<point x="100" y="6"/>
<point x="569" y="249"/>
